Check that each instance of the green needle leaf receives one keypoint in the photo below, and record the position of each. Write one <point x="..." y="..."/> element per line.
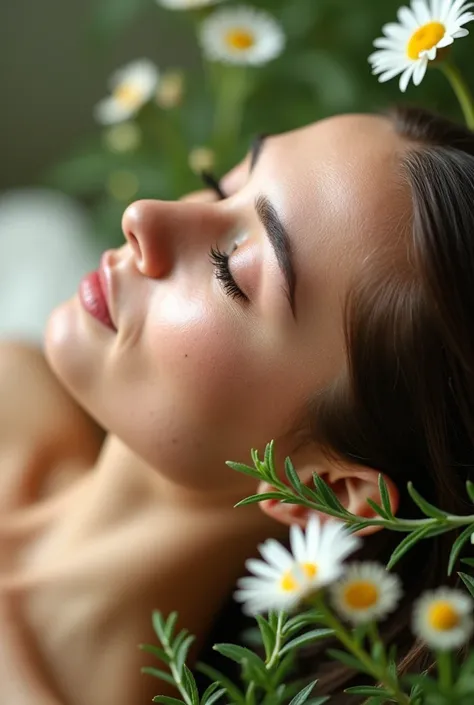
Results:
<point x="156" y="651"/>
<point x="429" y="509"/>
<point x="385" y="497"/>
<point x="304" y="694"/>
<point x="307" y="638"/>
<point x="468" y="582"/>
<point x="457" y="546"/>
<point x="213" y="674"/>
<point x="245" y="469"/>
<point x="158" y="673"/>
<point x="253" y="499"/>
<point x="470" y="490"/>
<point x="407" y="543"/>
<point x="166" y="700"/>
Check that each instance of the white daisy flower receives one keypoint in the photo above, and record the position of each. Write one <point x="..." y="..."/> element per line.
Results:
<point x="423" y="28"/>
<point x="283" y="579"/>
<point x="442" y="618"/>
<point x="131" y="87"/>
<point x="366" y="592"/>
<point x="241" y="35"/>
<point x="186" y="4"/>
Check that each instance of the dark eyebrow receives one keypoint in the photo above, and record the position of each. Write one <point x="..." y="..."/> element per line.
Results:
<point x="280" y="241"/>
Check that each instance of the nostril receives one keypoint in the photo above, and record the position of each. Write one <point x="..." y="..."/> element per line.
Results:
<point x="135" y="245"/>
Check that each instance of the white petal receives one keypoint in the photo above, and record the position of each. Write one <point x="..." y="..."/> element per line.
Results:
<point x="313" y="534"/>
<point x="460" y="33"/>
<point x="466" y="17"/>
<point x="388" y="75"/>
<point x="109" y="111"/>
<point x="421" y="11"/>
<point x="275" y="554"/>
<point x="445" y="41"/>
<point x="405" y="78"/>
<point x="407" y="18"/>
<point x="395" y="31"/>
<point x="297" y="542"/>
<point x="419" y="72"/>
<point x="386" y="43"/>
<point x="261" y="568"/>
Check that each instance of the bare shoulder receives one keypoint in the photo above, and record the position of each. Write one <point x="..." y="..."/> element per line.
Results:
<point x="35" y="409"/>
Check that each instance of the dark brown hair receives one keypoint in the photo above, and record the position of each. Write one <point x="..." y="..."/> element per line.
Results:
<point x="405" y="404"/>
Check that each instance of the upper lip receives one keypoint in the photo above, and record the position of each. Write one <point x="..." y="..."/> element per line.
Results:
<point x="106" y="283"/>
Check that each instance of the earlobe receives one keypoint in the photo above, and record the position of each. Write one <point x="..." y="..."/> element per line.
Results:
<point x="352" y="484"/>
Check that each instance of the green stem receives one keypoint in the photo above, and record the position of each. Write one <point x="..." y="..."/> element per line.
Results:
<point x="231" y="92"/>
<point x="461" y="90"/>
<point x="379" y="674"/>
<point x="445" y="671"/>
<point x="278" y="642"/>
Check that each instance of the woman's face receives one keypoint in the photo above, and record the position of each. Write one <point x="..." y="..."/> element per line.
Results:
<point x="201" y="370"/>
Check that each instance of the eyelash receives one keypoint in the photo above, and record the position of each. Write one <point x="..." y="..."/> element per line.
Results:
<point x="220" y="262"/>
<point x="219" y="259"/>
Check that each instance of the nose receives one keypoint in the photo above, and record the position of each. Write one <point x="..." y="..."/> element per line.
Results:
<point x="161" y="231"/>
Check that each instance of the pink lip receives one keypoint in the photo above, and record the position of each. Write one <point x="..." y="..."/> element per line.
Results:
<point x="94" y="293"/>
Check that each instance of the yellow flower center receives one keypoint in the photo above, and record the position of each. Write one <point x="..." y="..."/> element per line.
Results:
<point x="361" y="594"/>
<point x="240" y="39"/>
<point x="442" y="616"/>
<point x="425" y="38"/>
<point x="288" y="582"/>
<point x="309" y="569"/>
<point x="128" y="95"/>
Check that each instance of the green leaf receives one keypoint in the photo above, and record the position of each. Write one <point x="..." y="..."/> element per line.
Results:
<point x="429" y="509"/>
<point x="170" y="625"/>
<point x="377" y="508"/>
<point x="367" y="691"/>
<point x="158" y="673"/>
<point x="470" y="489"/>
<point x="213" y="674"/>
<point x="156" y="651"/>
<point x="304" y="694"/>
<point x="253" y="499"/>
<point x="190" y="685"/>
<point x="347" y="659"/>
<point x="292" y="476"/>
<point x="212" y="693"/>
<point x="385" y="496"/>
<point x="166" y="700"/>
<point x="359" y="526"/>
<point x="267" y="634"/>
<point x="240" y="654"/>
<point x="326" y="494"/>
<point x="159" y="625"/>
<point x="182" y="652"/>
<point x="407" y="543"/>
<point x="468" y="582"/>
<point x="307" y="638"/>
<point x="214" y="698"/>
<point x="178" y="640"/>
<point x="284" y="667"/>
<point x="457" y="546"/>
<point x="304" y="619"/>
<point x="468" y="561"/>
<point x="245" y="469"/>
<point x="269" y="460"/>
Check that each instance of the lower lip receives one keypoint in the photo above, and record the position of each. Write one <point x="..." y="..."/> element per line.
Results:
<point x="93" y="299"/>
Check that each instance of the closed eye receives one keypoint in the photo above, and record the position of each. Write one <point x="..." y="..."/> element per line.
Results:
<point x="220" y="262"/>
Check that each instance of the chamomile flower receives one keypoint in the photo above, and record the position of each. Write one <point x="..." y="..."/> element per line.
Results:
<point x="186" y="4"/>
<point x="366" y="592"/>
<point x="285" y="578"/>
<point x="442" y="618"/>
<point x="241" y="35"/>
<point x="131" y="87"/>
<point x="423" y="28"/>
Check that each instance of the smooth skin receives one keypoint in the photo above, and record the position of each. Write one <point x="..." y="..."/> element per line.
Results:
<point x="190" y="379"/>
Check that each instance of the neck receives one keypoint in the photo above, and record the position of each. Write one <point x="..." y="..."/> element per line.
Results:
<point x="129" y="509"/>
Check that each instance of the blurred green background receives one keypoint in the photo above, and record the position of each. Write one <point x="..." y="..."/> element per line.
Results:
<point x="58" y="57"/>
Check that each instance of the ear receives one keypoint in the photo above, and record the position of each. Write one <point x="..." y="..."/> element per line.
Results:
<point x="352" y="485"/>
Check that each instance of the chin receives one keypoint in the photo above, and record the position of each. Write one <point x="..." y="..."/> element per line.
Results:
<point x="66" y="347"/>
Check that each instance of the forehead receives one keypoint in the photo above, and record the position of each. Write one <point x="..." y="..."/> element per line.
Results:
<point x="340" y="191"/>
